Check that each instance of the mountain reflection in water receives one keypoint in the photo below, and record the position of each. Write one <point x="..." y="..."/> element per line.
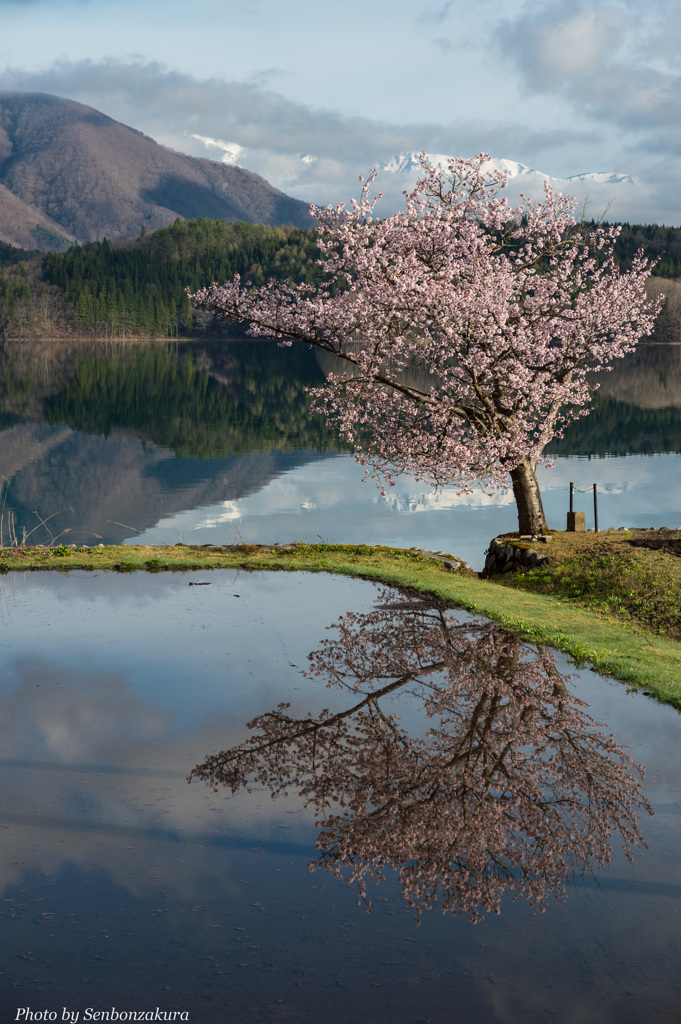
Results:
<point x="186" y="438"/>
<point x="495" y="781"/>
<point x="133" y="433"/>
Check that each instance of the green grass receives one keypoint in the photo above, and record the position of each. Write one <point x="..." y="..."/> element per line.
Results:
<point x="620" y="647"/>
<point x="639" y="586"/>
<point x="632" y="576"/>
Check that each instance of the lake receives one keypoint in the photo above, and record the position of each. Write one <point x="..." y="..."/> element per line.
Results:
<point x="124" y="886"/>
<point x="211" y="441"/>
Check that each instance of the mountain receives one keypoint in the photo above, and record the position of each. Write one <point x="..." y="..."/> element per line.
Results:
<point x="601" y="190"/>
<point x="70" y="173"/>
<point x="27" y="227"/>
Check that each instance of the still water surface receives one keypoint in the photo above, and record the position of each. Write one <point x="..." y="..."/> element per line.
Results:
<point x="124" y="886"/>
<point x="196" y="441"/>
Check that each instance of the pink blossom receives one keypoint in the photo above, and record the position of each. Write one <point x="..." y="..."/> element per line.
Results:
<point x="464" y="328"/>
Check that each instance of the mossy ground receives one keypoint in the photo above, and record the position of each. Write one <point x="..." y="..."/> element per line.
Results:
<point x="632" y="576"/>
<point x="582" y="621"/>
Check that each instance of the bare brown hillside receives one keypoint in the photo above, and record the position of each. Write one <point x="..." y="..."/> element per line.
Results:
<point x="69" y="172"/>
<point x="27" y="227"/>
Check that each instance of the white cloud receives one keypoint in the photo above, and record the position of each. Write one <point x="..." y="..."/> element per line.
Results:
<point x="231" y="151"/>
<point x="550" y="46"/>
<point x="562" y="85"/>
<point x="609" y="65"/>
<point x="312" y="153"/>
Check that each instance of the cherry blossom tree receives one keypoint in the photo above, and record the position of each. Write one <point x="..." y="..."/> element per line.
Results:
<point x="464" y="328"/>
<point x="500" y="783"/>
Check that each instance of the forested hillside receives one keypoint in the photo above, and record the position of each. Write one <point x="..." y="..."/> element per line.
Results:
<point x="9" y="254"/>
<point x="138" y="287"/>
<point x="658" y="242"/>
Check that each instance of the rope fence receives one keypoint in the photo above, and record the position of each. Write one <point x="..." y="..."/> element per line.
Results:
<point x="575" y="517"/>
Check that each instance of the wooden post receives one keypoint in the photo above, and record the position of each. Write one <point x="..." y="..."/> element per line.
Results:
<point x="575" y="520"/>
<point x="595" y="510"/>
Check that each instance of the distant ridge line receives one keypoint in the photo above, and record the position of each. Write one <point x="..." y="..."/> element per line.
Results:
<point x="69" y="173"/>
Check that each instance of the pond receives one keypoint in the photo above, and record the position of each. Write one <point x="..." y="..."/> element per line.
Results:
<point x="209" y="442"/>
<point x="123" y="886"/>
<point x="408" y="728"/>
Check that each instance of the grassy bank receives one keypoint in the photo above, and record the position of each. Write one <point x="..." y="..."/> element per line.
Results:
<point x="623" y="647"/>
<point x="633" y="576"/>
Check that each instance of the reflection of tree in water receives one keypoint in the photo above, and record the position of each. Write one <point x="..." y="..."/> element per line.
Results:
<point x="511" y="787"/>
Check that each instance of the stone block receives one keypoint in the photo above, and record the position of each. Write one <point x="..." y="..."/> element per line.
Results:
<point x="576" y="522"/>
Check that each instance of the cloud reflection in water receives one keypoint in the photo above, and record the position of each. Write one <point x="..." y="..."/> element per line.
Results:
<point x="506" y="785"/>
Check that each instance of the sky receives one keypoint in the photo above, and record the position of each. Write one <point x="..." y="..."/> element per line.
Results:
<point x="312" y="94"/>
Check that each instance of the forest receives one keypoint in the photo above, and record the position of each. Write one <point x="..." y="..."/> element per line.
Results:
<point x="172" y="401"/>
<point x="137" y="287"/>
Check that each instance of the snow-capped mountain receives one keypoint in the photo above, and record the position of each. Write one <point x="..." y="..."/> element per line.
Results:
<point x="602" y="178"/>
<point x="599" y="190"/>
<point x="409" y="164"/>
<point x="322" y="179"/>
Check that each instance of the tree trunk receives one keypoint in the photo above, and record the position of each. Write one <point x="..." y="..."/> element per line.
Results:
<point x="527" y="496"/>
